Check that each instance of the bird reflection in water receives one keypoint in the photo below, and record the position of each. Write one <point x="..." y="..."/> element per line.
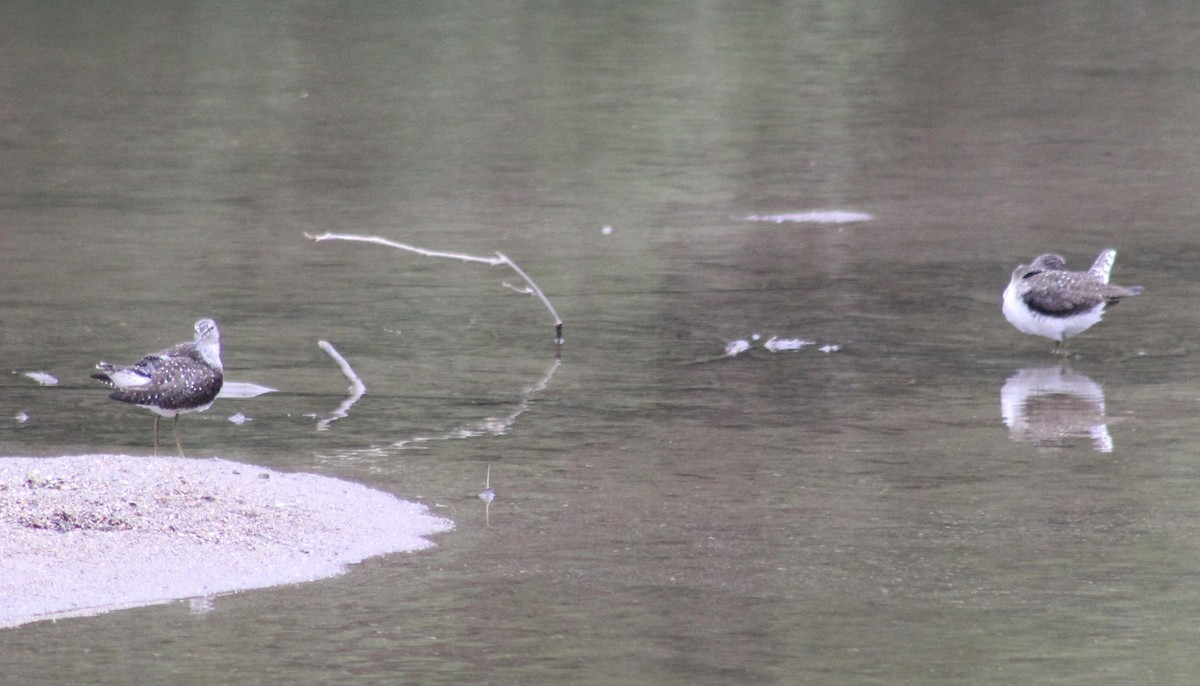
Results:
<point x="1052" y="406"/>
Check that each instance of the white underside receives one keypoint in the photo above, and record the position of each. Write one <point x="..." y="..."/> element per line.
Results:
<point x="175" y="413"/>
<point x="1055" y="328"/>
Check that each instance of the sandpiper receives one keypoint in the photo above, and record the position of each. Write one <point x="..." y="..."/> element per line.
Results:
<point x="183" y="378"/>
<point x="1044" y="299"/>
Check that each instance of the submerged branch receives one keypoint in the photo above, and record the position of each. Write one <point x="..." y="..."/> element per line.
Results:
<point x="499" y="259"/>
<point x="491" y="426"/>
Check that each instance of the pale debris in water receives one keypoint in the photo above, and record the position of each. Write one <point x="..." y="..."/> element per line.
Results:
<point x="775" y="344"/>
<point x="780" y="345"/>
<point x="607" y="231"/>
<point x="43" y="378"/>
<point x="816" y="217"/>
<point x="21" y="417"/>
<point x="737" y="347"/>
<point x="243" y="389"/>
<point x="240" y="419"/>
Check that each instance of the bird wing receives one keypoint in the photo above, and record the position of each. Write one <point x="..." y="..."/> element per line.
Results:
<point x="1055" y="294"/>
<point x="178" y="382"/>
<point x="1103" y="265"/>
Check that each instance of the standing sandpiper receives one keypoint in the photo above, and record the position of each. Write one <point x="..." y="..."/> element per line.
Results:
<point x="183" y="378"/>
<point x="1044" y="299"/>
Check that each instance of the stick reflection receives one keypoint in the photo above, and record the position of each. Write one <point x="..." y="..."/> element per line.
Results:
<point x="357" y="387"/>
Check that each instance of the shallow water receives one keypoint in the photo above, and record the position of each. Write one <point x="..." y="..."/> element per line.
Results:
<point x="859" y="516"/>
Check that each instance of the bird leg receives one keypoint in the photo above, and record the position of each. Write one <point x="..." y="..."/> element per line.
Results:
<point x="156" y="418"/>
<point x="178" y="445"/>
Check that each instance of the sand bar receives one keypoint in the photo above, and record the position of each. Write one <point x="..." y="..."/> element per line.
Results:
<point x="91" y="533"/>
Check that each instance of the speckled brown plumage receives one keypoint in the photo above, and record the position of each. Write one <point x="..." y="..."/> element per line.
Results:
<point x="1043" y="298"/>
<point x="1047" y="287"/>
<point x="186" y="377"/>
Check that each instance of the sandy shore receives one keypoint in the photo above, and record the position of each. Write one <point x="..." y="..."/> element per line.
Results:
<point x="92" y="533"/>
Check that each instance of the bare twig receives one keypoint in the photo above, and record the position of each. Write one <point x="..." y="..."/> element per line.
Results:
<point x="488" y="495"/>
<point x="499" y="259"/>
<point x="357" y="387"/>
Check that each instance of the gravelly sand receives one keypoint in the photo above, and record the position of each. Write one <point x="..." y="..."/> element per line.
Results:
<point x="91" y="533"/>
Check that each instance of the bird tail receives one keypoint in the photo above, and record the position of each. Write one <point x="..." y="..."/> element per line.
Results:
<point x="1118" y="292"/>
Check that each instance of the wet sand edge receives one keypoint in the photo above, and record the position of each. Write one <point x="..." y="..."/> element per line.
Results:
<point x="87" y="534"/>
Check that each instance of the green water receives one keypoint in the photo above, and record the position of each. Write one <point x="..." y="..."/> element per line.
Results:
<point x="854" y="517"/>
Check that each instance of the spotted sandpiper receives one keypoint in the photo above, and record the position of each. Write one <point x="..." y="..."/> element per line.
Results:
<point x="183" y="378"/>
<point x="1044" y="299"/>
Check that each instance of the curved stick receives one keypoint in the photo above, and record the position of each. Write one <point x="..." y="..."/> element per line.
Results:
<point x="496" y="261"/>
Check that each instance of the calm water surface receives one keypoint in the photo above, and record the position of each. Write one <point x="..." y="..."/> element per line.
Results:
<point x="854" y="517"/>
